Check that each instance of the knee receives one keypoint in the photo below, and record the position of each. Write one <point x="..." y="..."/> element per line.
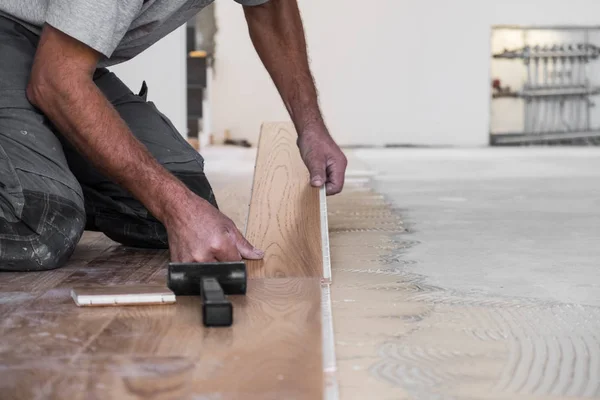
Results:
<point x="45" y="246"/>
<point x="48" y="250"/>
<point x="53" y="248"/>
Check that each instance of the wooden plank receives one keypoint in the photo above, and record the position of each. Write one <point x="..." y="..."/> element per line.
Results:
<point x="273" y="350"/>
<point x="46" y="332"/>
<point x="284" y="217"/>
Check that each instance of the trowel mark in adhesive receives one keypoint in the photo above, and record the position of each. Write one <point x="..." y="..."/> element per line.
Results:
<point x="501" y="346"/>
<point x="551" y="347"/>
<point x="554" y="351"/>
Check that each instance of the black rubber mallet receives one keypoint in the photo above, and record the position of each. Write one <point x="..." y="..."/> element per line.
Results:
<point x="212" y="281"/>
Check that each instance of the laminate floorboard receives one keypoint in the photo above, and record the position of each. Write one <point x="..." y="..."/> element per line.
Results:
<point x="284" y="217"/>
<point x="44" y="332"/>
<point x="273" y="350"/>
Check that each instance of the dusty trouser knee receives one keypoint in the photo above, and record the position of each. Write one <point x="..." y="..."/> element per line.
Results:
<point x="41" y="204"/>
<point x="45" y="235"/>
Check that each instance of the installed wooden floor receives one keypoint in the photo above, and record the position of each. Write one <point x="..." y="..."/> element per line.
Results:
<point x="52" y="349"/>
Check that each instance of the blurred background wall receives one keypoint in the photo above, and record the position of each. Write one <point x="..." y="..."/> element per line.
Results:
<point x="163" y="67"/>
<point x="388" y="71"/>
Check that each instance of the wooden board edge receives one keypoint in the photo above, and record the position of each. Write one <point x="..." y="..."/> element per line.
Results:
<point x="258" y="147"/>
<point x="325" y="236"/>
<point x="331" y="389"/>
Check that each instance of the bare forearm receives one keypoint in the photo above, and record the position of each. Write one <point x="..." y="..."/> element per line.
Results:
<point x="278" y="35"/>
<point x="93" y="126"/>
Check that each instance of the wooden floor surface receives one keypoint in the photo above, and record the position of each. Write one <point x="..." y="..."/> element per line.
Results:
<point x="52" y="349"/>
<point x="284" y="218"/>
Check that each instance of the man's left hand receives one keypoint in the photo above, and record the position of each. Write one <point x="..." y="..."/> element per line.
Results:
<point x="324" y="159"/>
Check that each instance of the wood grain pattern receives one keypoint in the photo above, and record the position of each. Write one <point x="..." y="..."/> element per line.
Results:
<point x="43" y="332"/>
<point x="273" y="350"/>
<point x="284" y="217"/>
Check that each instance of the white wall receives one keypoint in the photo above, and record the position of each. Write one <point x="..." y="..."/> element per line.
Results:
<point x="163" y="67"/>
<point x="389" y="71"/>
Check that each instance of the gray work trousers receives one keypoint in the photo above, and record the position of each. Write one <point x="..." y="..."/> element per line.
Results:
<point x="49" y="193"/>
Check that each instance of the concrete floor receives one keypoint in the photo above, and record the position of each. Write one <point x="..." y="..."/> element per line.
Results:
<point x="521" y="222"/>
<point x="502" y="256"/>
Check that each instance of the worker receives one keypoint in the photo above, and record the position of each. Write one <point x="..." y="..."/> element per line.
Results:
<point x="80" y="151"/>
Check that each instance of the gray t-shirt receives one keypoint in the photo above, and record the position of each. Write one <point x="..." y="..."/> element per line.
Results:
<point x="119" y="29"/>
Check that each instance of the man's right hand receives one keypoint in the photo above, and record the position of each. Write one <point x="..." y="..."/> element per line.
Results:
<point x="198" y="232"/>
